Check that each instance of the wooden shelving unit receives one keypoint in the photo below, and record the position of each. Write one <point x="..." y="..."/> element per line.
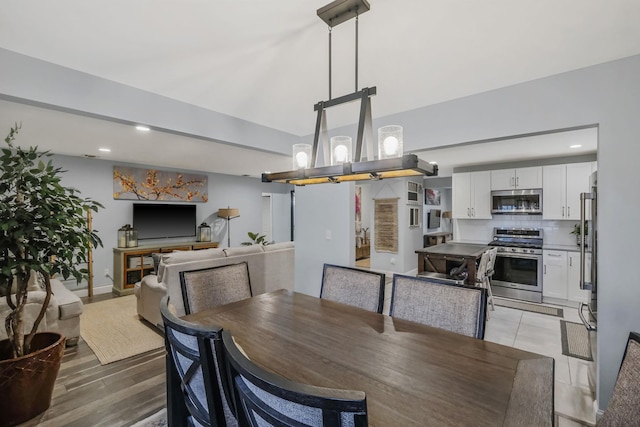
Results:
<point x="130" y="265"/>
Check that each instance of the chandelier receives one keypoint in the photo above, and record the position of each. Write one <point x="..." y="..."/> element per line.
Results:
<point x="345" y="162"/>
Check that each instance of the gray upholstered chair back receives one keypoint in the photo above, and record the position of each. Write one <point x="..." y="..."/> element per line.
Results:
<point x="456" y="308"/>
<point x="195" y="357"/>
<point x="353" y="286"/>
<point x="624" y="407"/>
<point x="265" y="399"/>
<point x="211" y="287"/>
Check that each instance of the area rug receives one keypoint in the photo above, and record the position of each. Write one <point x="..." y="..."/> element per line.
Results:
<point x="114" y="332"/>
<point x="527" y="306"/>
<point x="159" y="419"/>
<point x="575" y="340"/>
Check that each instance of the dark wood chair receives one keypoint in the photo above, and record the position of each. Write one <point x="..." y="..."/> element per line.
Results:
<point x="624" y="407"/>
<point x="196" y="392"/>
<point x="456" y="308"/>
<point x="211" y="287"/>
<point x="266" y="399"/>
<point x="353" y="286"/>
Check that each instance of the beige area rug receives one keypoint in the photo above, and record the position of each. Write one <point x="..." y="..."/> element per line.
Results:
<point x="575" y="340"/>
<point x="114" y="332"/>
<point x="159" y="419"/>
<point x="527" y="306"/>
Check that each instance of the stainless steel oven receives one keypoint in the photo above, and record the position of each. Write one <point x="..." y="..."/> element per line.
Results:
<point x="518" y="268"/>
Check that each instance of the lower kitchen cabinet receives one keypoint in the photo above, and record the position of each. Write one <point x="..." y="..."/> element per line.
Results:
<point x="554" y="274"/>
<point x="574" y="293"/>
<point x="561" y="275"/>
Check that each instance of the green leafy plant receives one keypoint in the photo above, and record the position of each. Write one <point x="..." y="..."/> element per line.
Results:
<point x="576" y="229"/>
<point x="256" y="239"/>
<point x="43" y="230"/>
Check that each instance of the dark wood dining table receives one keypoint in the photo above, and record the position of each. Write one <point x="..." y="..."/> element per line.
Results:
<point x="412" y="374"/>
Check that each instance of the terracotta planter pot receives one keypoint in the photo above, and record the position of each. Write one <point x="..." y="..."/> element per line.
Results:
<point x="26" y="383"/>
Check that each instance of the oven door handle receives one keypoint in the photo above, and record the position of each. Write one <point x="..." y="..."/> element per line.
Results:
<point x="521" y="256"/>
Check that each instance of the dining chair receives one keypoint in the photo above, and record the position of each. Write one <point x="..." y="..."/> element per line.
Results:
<point x="624" y="406"/>
<point x="353" y="286"/>
<point x="456" y="308"/>
<point x="485" y="271"/>
<point x="263" y="398"/>
<point x="197" y="393"/>
<point x="215" y="286"/>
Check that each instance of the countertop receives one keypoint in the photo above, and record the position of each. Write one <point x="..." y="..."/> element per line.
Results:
<point x="571" y="248"/>
<point x="455" y="249"/>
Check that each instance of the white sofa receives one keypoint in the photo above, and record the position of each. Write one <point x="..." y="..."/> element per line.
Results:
<point x="271" y="267"/>
<point x="62" y="315"/>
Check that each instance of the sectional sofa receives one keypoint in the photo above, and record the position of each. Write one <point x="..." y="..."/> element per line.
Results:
<point x="271" y="267"/>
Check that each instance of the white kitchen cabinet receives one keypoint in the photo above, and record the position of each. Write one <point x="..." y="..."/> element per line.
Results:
<point x="562" y="185"/>
<point x="574" y="293"/>
<point x="514" y="179"/>
<point x="554" y="274"/>
<point x="471" y="195"/>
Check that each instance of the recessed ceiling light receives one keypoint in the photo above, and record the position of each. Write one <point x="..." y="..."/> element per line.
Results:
<point x="143" y="128"/>
<point x="105" y="150"/>
<point x="575" y="146"/>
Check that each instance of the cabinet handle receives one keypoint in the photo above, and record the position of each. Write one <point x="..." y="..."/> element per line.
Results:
<point x="570" y="261"/>
<point x="468" y="212"/>
<point x="517" y="181"/>
<point x="473" y="212"/>
<point x="545" y="269"/>
<point x="554" y="255"/>
<point x="511" y="183"/>
<point x="568" y="211"/>
<point x="563" y="212"/>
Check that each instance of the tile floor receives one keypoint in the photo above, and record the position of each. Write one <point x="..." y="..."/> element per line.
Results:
<point x="540" y="333"/>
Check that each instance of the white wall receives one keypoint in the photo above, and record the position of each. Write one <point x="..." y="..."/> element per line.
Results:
<point x="324" y="232"/>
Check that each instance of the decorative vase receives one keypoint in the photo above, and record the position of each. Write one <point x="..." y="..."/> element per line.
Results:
<point x="26" y="383"/>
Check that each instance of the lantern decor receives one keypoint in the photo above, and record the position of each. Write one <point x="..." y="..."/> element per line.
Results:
<point x="127" y="237"/>
<point x="204" y="232"/>
<point x="390" y="142"/>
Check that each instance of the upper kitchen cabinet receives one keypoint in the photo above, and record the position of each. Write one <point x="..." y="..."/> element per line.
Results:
<point x="516" y="179"/>
<point x="562" y="185"/>
<point x="471" y="196"/>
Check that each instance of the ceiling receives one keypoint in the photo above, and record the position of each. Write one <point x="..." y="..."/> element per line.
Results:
<point x="266" y="62"/>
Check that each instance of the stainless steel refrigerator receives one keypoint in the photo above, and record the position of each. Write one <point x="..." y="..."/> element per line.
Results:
<point x="589" y="311"/>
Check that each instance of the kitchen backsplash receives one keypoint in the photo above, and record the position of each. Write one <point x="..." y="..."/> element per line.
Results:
<point x="481" y="231"/>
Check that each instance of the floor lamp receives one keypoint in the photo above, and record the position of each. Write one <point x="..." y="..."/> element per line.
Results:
<point x="228" y="214"/>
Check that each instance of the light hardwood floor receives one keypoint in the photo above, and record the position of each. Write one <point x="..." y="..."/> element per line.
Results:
<point x="117" y="394"/>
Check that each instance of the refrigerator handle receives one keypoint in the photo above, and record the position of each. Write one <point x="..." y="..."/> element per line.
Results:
<point x="589" y="326"/>
<point x="583" y="222"/>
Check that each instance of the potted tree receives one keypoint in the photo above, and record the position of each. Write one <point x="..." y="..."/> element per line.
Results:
<point x="44" y="232"/>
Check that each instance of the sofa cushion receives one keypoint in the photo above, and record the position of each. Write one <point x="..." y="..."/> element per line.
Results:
<point x="243" y="250"/>
<point x="186" y="256"/>
<point x="278" y="246"/>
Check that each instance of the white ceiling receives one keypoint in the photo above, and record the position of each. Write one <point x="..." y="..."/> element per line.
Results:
<point x="266" y="62"/>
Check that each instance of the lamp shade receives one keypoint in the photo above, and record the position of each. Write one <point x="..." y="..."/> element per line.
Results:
<point x="340" y="150"/>
<point x="390" y="142"/>
<point x="301" y="156"/>
<point x="228" y="213"/>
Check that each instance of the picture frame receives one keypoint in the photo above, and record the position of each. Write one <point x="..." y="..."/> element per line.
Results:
<point x="431" y="197"/>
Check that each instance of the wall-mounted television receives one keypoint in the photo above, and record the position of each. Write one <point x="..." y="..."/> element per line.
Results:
<point x="160" y="220"/>
<point x="433" y="218"/>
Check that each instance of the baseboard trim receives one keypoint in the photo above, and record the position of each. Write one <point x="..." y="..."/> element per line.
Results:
<point x="96" y="291"/>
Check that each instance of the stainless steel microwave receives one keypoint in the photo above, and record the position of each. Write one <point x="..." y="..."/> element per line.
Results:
<point x="528" y="202"/>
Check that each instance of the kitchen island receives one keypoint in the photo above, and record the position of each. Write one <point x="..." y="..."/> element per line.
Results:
<point x="442" y="258"/>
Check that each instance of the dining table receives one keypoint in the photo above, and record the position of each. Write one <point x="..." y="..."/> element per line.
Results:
<point x="412" y="374"/>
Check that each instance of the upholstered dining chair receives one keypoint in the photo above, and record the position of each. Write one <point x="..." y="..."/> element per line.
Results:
<point x="197" y="393"/>
<point x="353" y="286"/>
<point x="211" y="287"/>
<point x="485" y="271"/>
<point x="456" y="308"/>
<point x="624" y="407"/>
<point x="266" y="399"/>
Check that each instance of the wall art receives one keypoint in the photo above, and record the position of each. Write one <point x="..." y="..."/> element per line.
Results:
<point x="157" y="185"/>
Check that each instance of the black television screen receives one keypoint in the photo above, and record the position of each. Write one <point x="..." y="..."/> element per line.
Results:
<point x="433" y="220"/>
<point x="158" y="221"/>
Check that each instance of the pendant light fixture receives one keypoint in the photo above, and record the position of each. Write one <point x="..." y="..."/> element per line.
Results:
<point x="341" y="163"/>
